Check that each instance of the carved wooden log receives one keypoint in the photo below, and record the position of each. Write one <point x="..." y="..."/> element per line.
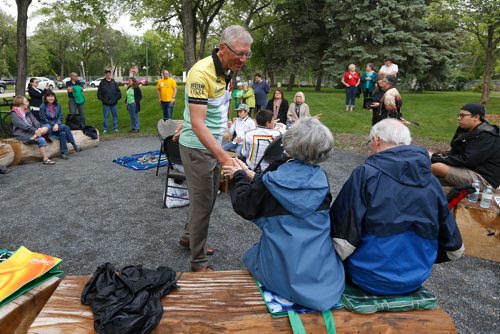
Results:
<point x="480" y="229"/>
<point x="25" y="153"/>
<point x="6" y="155"/>
<point x="228" y="302"/>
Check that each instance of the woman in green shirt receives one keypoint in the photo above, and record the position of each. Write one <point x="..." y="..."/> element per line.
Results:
<point x="133" y="100"/>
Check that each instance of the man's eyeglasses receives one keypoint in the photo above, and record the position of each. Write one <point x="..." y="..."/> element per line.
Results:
<point x="240" y="54"/>
<point x="463" y="115"/>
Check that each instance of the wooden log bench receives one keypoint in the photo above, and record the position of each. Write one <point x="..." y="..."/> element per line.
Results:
<point x="480" y="228"/>
<point x="24" y="153"/>
<point x="17" y="315"/>
<point x="6" y="154"/>
<point x="228" y="302"/>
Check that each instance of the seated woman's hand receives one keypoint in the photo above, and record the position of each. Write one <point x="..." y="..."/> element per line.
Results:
<point x="230" y="168"/>
<point x="55" y="127"/>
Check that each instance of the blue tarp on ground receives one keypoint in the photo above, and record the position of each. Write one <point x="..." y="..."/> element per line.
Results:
<point x="142" y="161"/>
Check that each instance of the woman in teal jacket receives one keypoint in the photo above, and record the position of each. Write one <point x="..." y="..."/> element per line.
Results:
<point x="368" y="80"/>
<point x="294" y="257"/>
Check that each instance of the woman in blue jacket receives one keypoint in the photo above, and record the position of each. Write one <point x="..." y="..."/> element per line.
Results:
<point x="294" y="257"/>
<point x="51" y="117"/>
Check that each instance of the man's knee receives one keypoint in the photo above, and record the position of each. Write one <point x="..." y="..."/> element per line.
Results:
<point x="440" y="169"/>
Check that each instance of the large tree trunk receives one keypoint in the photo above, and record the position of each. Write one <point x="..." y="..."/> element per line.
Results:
<point x="319" y="80"/>
<point x="188" y="34"/>
<point x="488" y="66"/>
<point x="22" y="45"/>
<point x="291" y="81"/>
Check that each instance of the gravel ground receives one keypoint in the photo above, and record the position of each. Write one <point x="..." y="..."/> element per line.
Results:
<point x="88" y="211"/>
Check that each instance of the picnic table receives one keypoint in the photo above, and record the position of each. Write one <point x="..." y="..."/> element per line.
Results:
<point x="228" y="302"/>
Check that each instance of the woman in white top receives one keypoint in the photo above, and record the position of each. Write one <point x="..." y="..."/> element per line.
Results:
<point x="389" y="68"/>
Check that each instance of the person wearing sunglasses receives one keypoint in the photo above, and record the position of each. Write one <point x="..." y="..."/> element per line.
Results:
<point x="474" y="153"/>
<point x="205" y="120"/>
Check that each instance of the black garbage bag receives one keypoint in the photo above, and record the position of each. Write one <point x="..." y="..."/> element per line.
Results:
<point x="127" y="301"/>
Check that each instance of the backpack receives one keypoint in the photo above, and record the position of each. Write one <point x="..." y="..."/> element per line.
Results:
<point x="73" y="121"/>
<point x="90" y="131"/>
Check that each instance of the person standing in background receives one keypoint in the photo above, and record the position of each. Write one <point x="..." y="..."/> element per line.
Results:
<point x="351" y="82"/>
<point x="260" y="88"/>
<point x="72" y="104"/>
<point x="368" y="79"/>
<point x="167" y="90"/>
<point x="36" y="97"/>
<point x="248" y="97"/>
<point x="389" y="68"/>
<point x="132" y="100"/>
<point x="109" y="94"/>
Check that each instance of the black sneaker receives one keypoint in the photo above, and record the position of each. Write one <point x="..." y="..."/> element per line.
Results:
<point x="64" y="156"/>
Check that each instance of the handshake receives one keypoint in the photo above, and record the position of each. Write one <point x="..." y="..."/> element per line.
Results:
<point x="233" y="165"/>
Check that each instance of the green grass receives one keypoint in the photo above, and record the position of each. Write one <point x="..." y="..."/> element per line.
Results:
<point x="435" y="111"/>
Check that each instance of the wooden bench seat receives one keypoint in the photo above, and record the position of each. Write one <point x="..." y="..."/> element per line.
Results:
<point x="227" y="302"/>
<point x="17" y="315"/>
<point x="480" y="229"/>
<point x="21" y="153"/>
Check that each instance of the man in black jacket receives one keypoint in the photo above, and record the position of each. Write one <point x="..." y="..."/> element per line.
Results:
<point x="474" y="154"/>
<point x="109" y="94"/>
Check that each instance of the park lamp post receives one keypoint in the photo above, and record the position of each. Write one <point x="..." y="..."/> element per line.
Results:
<point x="147" y="60"/>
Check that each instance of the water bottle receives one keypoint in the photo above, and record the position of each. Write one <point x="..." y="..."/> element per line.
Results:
<point x="473" y="197"/>
<point x="486" y="199"/>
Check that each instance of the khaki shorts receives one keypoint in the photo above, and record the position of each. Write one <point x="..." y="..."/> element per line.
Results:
<point x="461" y="176"/>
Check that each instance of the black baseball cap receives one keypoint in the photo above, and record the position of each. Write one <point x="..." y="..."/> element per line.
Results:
<point x="475" y="109"/>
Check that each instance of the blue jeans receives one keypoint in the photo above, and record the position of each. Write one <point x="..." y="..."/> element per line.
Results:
<point x="134" y="116"/>
<point x="81" y="110"/>
<point x="350" y="95"/>
<point x="41" y="142"/>
<point x="168" y="109"/>
<point x="65" y="135"/>
<point x="236" y="148"/>
<point x="114" y="111"/>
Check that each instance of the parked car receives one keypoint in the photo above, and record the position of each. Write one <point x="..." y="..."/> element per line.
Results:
<point x="143" y="81"/>
<point x="96" y="82"/>
<point x="9" y="81"/>
<point x="3" y="86"/>
<point x="43" y="83"/>
<point x="68" y="79"/>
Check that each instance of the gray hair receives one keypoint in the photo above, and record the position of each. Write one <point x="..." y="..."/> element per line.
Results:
<point x="308" y="140"/>
<point x="391" y="131"/>
<point x="235" y="32"/>
<point x="300" y="94"/>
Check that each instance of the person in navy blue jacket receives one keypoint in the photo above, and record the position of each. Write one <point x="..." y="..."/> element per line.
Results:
<point x="290" y="203"/>
<point x="51" y="117"/>
<point x="390" y="221"/>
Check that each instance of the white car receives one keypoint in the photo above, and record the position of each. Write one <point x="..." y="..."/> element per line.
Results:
<point x="96" y="82"/>
<point x="43" y="83"/>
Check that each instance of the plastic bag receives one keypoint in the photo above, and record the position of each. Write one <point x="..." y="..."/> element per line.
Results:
<point x="182" y="195"/>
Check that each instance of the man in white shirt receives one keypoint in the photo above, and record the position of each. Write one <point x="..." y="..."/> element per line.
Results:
<point x="389" y="68"/>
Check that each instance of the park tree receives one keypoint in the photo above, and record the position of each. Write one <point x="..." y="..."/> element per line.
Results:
<point x="22" y="44"/>
<point x="7" y="45"/>
<point x="481" y="18"/>
<point x="366" y="31"/>
<point x="194" y="19"/>
<point x="298" y="39"/>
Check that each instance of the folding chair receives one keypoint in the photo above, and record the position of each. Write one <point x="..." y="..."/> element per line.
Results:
<point x="173" y="154"/>
<point x="272" y="153"/>
<point x="165" y="128"/>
